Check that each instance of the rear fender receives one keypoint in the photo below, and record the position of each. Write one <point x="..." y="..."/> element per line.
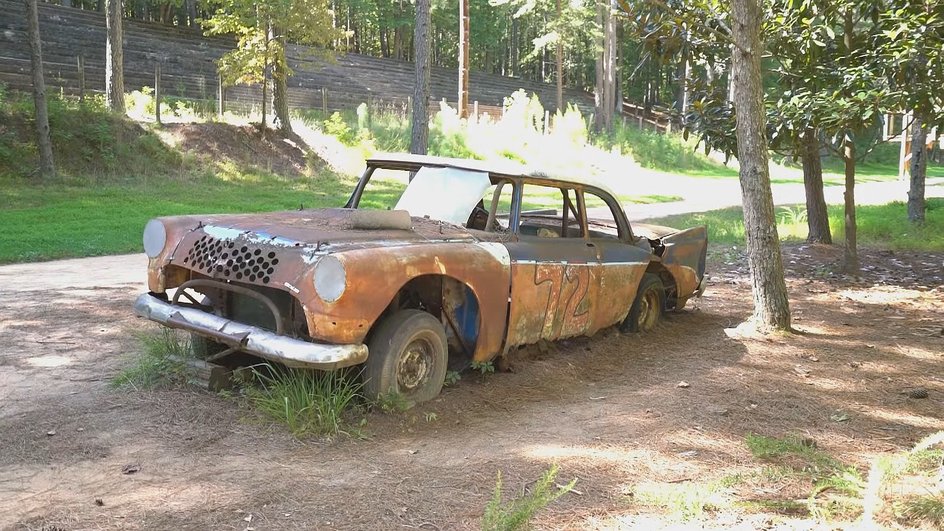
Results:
<point x="684" y="254"/>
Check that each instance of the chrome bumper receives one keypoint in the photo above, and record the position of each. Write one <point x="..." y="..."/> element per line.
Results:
<point x="252" y="339"/>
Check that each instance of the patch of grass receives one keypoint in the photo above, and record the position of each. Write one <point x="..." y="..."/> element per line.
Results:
<point x="666" y="152"/>
<point x="842" y="485"/>
<point x="307" y="402"/>
<point x="391" y="402"/>
<point x="684" y="501"/>
<point x="884" y="226"/>
<point x="518" y="512"/>
<point x="158" y="363"/>
<point x="927" y="509"/>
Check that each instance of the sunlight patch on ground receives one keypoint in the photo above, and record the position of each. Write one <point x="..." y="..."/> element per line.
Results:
<point x="899" y="417"/>
<point x="882" y="295"/>
<point x="49" y="361"/>
<point x="554" y="452"/>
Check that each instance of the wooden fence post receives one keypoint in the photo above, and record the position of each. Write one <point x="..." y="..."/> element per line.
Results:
<point x="220" y="105"/>
<point x="157" y="92"/>
<point x="80" y="65"/>
<point x="324" y="100"/>
<point x="475" y="110"/>
<point x="547" y="123"/>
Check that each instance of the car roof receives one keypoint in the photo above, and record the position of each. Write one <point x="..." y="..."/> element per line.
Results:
<point x="501" y="168"/>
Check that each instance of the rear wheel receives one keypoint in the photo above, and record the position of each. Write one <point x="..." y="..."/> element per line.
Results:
<point x="407" y="355"/>
<point x="648" y="307"/>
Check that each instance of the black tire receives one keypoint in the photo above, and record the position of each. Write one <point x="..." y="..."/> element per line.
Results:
<point x="203" y="348"/>
<point x="648" y="307"/>
<point x="407" y="354"/>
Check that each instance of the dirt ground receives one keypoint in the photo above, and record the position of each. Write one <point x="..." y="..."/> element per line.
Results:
<point x="608" y="410"/>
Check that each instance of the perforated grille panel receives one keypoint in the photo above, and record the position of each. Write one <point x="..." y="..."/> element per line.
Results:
<point x="231" y="260"/>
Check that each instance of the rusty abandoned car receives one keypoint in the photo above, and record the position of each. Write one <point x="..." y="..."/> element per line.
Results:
<point x="471" y="260"/>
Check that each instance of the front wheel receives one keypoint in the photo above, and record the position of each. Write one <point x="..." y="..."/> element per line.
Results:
<point x="648" y="307"/>
<point x="407" y="355"/>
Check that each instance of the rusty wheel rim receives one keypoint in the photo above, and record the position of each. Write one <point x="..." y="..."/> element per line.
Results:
<point x="415" y="364"/>
<point x="649" y="308"/>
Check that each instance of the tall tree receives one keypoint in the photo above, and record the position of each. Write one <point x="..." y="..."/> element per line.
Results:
<point x="262" y="31"/>
<point x="463" y="101"/>
<point x="771" y="306"/>
<point x="47" y="167"/>
<point x="419" y="139"/>
<point x="114" y="58"/>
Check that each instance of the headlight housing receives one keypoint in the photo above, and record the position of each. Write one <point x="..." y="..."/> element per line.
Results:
<point x="155" y="237"/>
<point x="330" y="279"/>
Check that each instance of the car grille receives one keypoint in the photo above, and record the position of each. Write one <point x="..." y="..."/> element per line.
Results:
<point x="231" y="260"/>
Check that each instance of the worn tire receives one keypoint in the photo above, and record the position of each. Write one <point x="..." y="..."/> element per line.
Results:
<point x="407" y="354"/>
<point x="648" y="307"/>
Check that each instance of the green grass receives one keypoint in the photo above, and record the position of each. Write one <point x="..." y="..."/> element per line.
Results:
<point x="158" y="363"/>
<point x="884" y="226"/>
<point x="307" y="402"/>
<point x="50" y="221"/>
<point x="517" y="512"/>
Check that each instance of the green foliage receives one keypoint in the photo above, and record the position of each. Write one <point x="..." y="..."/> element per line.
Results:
<point x="452" y="378"/>
<point x="927" y="509"/>
<point x="89" y="141"/>
<point x="517" y="513"/>
<point x="483" y="367"/>
<point x="307" y="402"/>
<point x="336" y="126"/>
<point x="261" y="30"/>
<point x="880" y="226"/>
<point x="161" y="361"/>
<point x="666" y="152"/>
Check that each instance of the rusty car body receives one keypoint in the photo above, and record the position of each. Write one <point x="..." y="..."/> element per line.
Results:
<point x="459" y="271"/>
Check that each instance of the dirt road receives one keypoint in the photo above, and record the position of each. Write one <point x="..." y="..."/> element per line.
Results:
<point x="607" y="409"/>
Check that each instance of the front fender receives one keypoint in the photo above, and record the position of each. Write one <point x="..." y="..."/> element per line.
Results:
<point x="375" y="275"/>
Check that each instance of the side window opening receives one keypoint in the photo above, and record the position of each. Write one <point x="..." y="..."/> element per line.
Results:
<point x="548" y="212"/>
<point x="601" y="218"/>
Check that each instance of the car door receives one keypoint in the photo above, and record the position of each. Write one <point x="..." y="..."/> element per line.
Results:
<point x="552" y="277"/>
<point x="617" y="263"/>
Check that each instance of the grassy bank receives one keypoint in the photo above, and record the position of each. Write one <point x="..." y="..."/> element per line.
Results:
<point x="884" y="226"/>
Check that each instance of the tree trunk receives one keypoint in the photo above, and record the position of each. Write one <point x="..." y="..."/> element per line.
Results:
<point x="463" y="101"/>
<point x="420" y="131"/>
<point x="771" y="307"/>
<point x="560" y="60"/>
<point x="600" y="73"/>
<point x="114" y="64"/>
<point x="918" y="170"/>
<point x="283" y="120"/>
<point x="265" y="73"/>
<point x="47" y="168"/>
<point x="609" y="67"/>
<point x="191" y="6"/>
<point x="817" y="219"/>
<point x="850" y="257"/>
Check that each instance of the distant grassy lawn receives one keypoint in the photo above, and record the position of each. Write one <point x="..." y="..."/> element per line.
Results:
<point x="60" y="221"/>
<point x="884" y="226"/>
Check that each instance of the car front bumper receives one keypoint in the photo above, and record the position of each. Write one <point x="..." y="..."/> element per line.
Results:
<point x="288" y="351"/>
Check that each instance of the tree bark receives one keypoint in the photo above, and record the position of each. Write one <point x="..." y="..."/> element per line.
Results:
<point x="47" y="167"/>
<point x="817" y="218"/>
<point x="600" y="74"/>
<point x="560" y="60"/>
<point x="463" y="101"/>
<point x="420" y="131"/>
<point x="918" y="170"/>
<point x="283" y="120"/>
<point x="114" y="58"/>
<point x="609" y="66"/>
<point x="850" y="257"/>
<point x="771" y="307"/>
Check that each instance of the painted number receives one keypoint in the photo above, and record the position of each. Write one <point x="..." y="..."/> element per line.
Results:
<point x="567" y="312"/>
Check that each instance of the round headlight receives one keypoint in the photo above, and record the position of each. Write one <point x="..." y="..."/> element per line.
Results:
<point x="330" y="279"/>
<point x="155" y="236"/>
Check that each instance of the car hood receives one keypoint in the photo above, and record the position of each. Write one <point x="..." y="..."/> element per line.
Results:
<point x="326" y="230"/>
